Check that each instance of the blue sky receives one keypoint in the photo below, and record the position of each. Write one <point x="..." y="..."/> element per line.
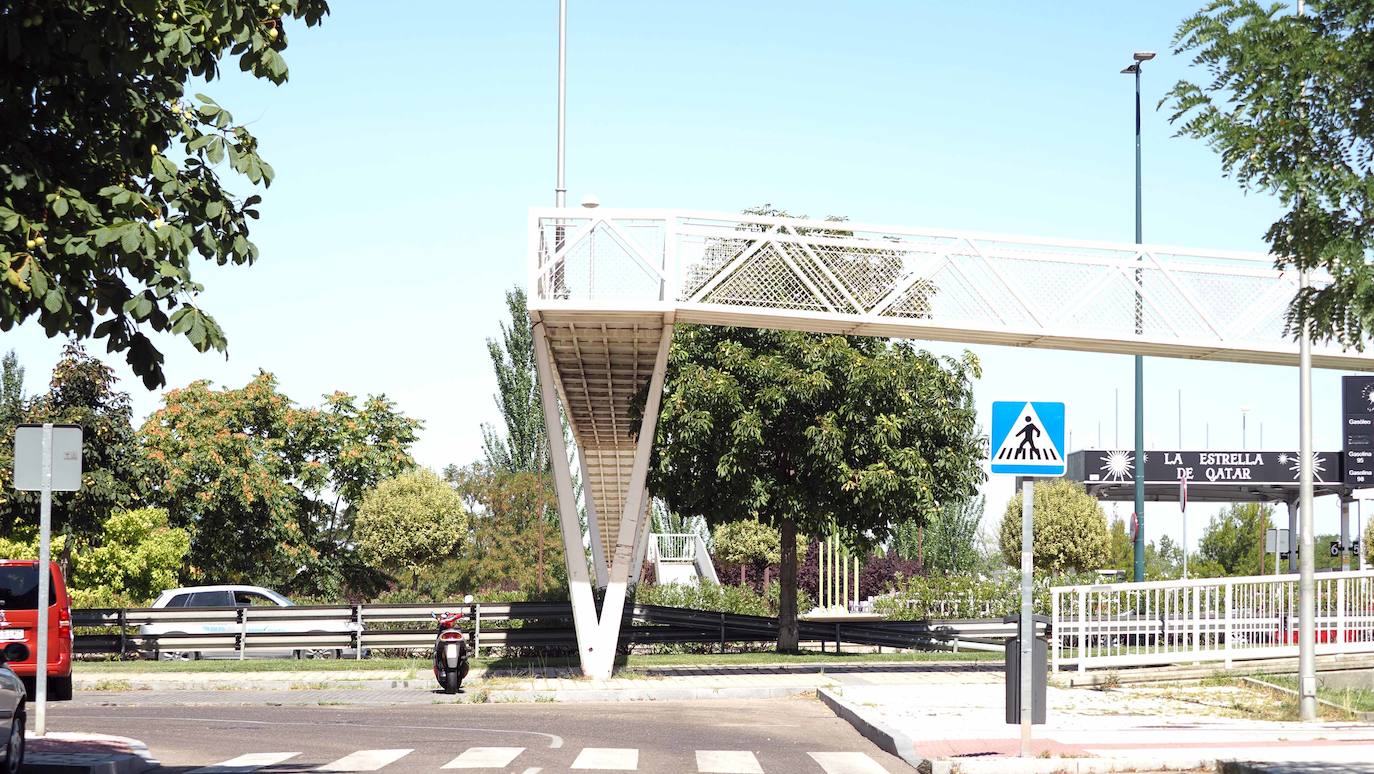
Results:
<point x="412" y="139"/>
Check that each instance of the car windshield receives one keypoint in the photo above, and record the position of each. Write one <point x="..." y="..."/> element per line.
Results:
<point x="19" y="587"/>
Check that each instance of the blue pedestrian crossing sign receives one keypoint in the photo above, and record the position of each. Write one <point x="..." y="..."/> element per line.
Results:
<point x="1028" y="438"/>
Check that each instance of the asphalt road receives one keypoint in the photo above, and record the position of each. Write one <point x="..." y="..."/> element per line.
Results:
<point x="774" y="735"/>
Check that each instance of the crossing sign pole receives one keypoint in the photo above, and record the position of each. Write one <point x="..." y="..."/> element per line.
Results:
<point x="1027" y="440"/>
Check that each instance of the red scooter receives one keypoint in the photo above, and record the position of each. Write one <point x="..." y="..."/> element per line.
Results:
<point x="450" y="650"/>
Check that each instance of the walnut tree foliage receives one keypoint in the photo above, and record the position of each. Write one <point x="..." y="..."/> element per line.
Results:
<point x="1289" y="107"/>
<point x="813" y="434"/>
<point x="110" y="176"/>
<point x="1070" y="529"/>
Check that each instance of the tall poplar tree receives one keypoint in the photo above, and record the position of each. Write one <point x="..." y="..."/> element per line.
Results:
<point x="524" y="446"/>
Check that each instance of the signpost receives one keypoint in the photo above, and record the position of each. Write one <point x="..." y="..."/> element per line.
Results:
<point x="1183" y="509"/>
<point x="1027" y="440"/>
<point x="1276" y="543"/>
<point x="47" y="459"/>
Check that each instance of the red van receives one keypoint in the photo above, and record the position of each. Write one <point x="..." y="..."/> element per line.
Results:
<point x="19" y="620"/>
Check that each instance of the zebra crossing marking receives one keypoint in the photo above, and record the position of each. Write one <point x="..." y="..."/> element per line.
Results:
<point x="485" y="758"/>
<point x="614" y="758"/>
<point x="366" y="760"/>
<point x="847" y="763"/>
<point x="244" y="763"/>
<point x="727" y="762"/>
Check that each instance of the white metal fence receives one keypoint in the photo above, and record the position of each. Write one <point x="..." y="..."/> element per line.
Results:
<point x="1206" y="620"/>
<point x="676" y="547"/>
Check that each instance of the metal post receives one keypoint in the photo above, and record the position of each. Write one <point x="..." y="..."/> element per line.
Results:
<point x="820" y="575"/>
<point x="1027" y="621"/>
<point x="1292" y="536"/>
<point x="560" y="191"/>
<point x="1139" y="365"/>
<point x="1345" y="536"/>
<point x="40" y="680"/>
<point x="1307" y="586"/>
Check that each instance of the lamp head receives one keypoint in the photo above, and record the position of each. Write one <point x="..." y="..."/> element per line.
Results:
<point x="1131" y="69"/>
<point x="1144" y="56"/>
<point x="590" y="201"/>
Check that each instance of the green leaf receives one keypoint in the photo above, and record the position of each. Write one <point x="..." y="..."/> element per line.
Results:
<point x="214" y="209"/>
<point x="129" y="238"/>
<point x="52" y="301"/>
<point x="59" y="207"/>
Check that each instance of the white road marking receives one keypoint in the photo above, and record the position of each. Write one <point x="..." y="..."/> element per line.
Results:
<point x="366" y="760"/>
<point x="532" y="770"/>
<point x="616" y="758"/>
<point x="249" y="762"/>
<point x="485" y="758"/>
<point x="727" y="762"/>
<point x="847" y="763"/>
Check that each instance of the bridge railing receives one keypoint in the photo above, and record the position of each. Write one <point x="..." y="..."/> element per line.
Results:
<point x="1206" y="620"/>
<point x="675" y="547"/>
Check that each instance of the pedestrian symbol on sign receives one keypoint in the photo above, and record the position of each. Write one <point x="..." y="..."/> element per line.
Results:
<point x="1029" y="437"/>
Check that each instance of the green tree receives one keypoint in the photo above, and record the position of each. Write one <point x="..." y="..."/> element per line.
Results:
<point x="1234" y="539"/>
<point x="1120" y="547"/>
<point x="109" y="181"/>
<point x="410" y="522"/>
<point x="1286" y="105"/>
<point x="812" y="434"/>
<point x="749" y="542"/>
<point x="525" y="445"/>
<point x="258" y="480"/>
<point x="511" y="546"/>
<point x="1367" y="544"/>
<point x="11" y="392"/>
<point x="82" y="392"/>
<point x="140" y="554"/>
<point x="950" y="545"/>
<point x="1070" y="529"/>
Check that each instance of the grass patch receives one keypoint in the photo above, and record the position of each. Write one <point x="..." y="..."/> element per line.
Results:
<point x="109" y="684"/>
<point x="251" y="665"/>
<point x="1355" y="699"/>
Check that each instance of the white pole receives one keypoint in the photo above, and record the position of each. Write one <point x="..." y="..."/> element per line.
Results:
<point x="40" y="715"/>
<point x="1027" y="623"/>
<point x="560" y="191"/>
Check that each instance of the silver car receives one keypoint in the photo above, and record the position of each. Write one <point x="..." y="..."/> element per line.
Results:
<point x="12" y="713"/>
<point x="237" y="596"/>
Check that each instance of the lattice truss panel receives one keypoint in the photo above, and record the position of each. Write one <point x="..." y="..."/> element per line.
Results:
<point x="840" y="277"/>
<point x="601" y="365"/>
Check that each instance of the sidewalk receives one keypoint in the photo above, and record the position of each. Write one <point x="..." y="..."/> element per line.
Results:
<point x="1162" y="729"/>
<point x="562" y="684"/>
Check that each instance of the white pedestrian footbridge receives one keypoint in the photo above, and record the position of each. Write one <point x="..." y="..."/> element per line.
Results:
<point x="606" y="287"/>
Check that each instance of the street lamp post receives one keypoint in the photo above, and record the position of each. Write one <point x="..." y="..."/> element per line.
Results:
<point x="1134" y="69"/>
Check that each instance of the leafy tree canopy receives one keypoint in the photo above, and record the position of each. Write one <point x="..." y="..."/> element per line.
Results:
<point x="258" y="480"/>
<point x="410" y="522"/>
<point x="525" y="444"/>
<point x="1070" y="529"/>
<point x="749" y="542"/>
<point x="1288" y="108"/>
<point x="82" y="392"/>
<point x="513" y="544"/>
<point x="109" y="176"/>
<point x="812" y="434"/>
<point x="1234" y="539"/>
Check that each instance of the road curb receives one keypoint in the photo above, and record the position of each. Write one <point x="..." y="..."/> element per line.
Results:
<point x="130" y="757"/>
<point x="888" y="739"/>
<point x="84" y="763"/>
<point x="644" y="694"/>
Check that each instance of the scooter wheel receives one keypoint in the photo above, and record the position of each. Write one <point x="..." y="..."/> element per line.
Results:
<point x="451" y="681"/>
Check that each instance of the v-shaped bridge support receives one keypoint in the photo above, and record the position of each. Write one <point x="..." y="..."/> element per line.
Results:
<point x="598" y="370"/>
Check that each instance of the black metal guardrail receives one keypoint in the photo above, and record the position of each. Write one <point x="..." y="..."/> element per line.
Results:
<point x="354" y="630"/>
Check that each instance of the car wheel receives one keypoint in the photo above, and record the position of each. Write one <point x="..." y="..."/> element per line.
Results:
<point x="176" y="655"/>
<point x="315" y="653"/>
<point x="14" y="750"/>
<point x="60" y="688"/>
